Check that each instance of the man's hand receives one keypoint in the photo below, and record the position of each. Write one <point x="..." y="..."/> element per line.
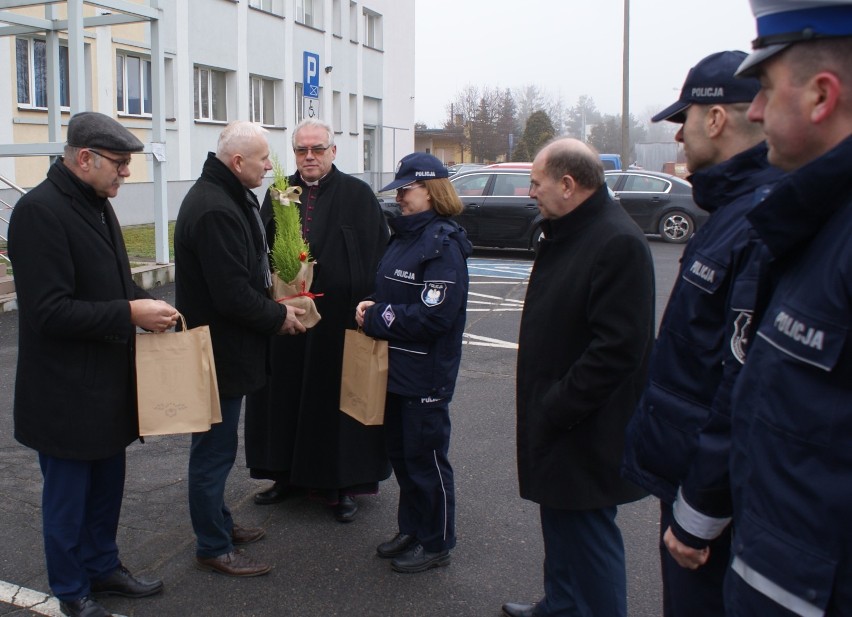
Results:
<point x="686" y="556"/>
<point x="153" y="315"/>
<point x="291" y="324"/>
<point x="360" y="310"/>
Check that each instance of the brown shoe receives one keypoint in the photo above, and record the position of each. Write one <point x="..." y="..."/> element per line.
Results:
<point x="235" y="563"/>
<point x="240" y="536"/>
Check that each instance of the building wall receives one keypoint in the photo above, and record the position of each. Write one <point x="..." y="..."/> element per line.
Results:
<point x="366" y="91"/>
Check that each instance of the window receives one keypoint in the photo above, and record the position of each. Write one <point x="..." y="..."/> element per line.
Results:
<point x="472" y="185"/>
<point x="299" y="103"/>
<point x="210" y="102"/>
<point x="353" y="22"/>
<point x="262" y="100"/>
<point x="372" y="29"/>
<point x="275" y="7"/>
<point x="309" y="12"/>
<point x="645" y="184"/>
<point x="31" y="61"/>
<point x="512" y="185"/>
<point x="336" y="110"/>
<point x="353" y="114"/>
<point x="336" y="18"/>
<point x="133" y="85"/>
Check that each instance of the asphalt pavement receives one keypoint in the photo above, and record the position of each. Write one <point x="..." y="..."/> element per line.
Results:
<point x="324" y="568"/>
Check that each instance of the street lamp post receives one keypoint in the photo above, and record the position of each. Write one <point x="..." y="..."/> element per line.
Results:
<point x="625" y="89"/>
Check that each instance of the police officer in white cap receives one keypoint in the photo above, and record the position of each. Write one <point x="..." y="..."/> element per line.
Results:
<point x="791" y="464"/>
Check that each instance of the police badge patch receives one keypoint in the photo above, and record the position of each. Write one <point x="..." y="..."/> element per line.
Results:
<point x="389" y="316"/>
<point x="741" y="336"/>
<point x="433" y="293"/>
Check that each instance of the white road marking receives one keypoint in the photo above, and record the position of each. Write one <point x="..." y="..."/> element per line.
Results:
<point x="36" y="601"/>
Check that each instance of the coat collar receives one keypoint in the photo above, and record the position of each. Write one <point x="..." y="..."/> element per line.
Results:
<point x="721" y="184"/>
<point x="217" y="172"/>
<point x="576" y="220"/>
<point x="801" y="203"/>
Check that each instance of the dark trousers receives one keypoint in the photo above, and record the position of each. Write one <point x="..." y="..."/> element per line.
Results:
<point x="584" y="572"/>
<point x="698" y="593"/>
<point x="417" y="438"/>
<point x="211" y="458"/>
<point x="81" y="504"/>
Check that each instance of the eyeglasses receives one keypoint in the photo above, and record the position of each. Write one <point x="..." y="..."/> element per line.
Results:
<point x="413" y="185"/>
<point x="318" y="150"/>
<point x="119" y="163"/>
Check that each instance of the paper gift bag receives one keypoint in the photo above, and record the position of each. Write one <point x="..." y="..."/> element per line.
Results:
<point x="364" y="382"/>
<point x="176" y="386"/>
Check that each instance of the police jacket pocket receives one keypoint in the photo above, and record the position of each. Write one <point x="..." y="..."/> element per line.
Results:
<point x="782" y="568"/>
<point x="705" y="272"/>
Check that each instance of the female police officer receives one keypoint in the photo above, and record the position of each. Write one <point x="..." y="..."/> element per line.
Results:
<point x="419" y="307"/>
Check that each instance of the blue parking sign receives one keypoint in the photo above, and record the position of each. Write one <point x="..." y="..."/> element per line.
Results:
<point x="310" y="75"/>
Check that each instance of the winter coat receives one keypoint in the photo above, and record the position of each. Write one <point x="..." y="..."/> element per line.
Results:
<point x="75" y="391"/>
<point x="421" y="303"/>
<point x="791" y="463"/>
<point x="219" y="277"/>
<point x="704" y="331"/>
<point x="586" y="334"/>
<point x="309" y="439"/>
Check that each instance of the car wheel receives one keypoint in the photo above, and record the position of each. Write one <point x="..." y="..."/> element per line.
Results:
<point x="676" y="227"/>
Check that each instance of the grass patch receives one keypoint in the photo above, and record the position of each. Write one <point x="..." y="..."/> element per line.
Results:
<point x="139" y="240"/>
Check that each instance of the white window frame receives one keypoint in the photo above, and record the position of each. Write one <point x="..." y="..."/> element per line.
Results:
<point x="353" y="22"/>
<point x="268" y="6"/>
<point x="262" y="100"/>
<point x="34" y="80"/>
<point x="142" y="81"/>
<point x="372" y="29"/>
<point x="309" y="13"/>
<point x="203" y="83"/>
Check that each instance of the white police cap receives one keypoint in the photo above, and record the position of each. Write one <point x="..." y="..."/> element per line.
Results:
<point x="781" y="23"/>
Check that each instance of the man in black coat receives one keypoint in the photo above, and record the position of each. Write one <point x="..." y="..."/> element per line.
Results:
<point x="222" y="279"/>
<point x="75" y="392"/>
<point x="586" y="333"/>
<point x="295" y="432"/>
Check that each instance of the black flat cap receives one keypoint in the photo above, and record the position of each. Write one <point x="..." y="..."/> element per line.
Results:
<point x="89" y="129"/>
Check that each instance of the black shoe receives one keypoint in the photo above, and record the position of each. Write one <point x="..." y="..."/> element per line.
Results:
<point x="345" y="509"/>
<point x="519" y="610"/>
<point x="400" y="543"/>
<point x="277" y="493"/>
<point x="84" y="607"/>
<point x="122" y="583"/>
<point x="419" y="559"/>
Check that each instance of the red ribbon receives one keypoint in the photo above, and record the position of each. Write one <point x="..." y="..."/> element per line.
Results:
<point x="302" y="293"/>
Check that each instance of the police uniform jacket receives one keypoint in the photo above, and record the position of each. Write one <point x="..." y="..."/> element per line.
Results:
<point x="586" y="334"/>
<point x="75" y="394"/>
<point x="421" y="301"/>
<point x="791" y="464"/>
<point x="220" y="277"/>
<point x="701" y="343"/>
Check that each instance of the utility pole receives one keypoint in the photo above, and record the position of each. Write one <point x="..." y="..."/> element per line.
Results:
<point x="625" y="90"/>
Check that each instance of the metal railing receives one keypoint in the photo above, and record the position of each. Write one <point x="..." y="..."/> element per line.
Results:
<point x="4" y="206"/>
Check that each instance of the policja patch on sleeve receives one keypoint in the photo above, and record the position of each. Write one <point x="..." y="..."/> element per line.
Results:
<point x="433" y="293"/>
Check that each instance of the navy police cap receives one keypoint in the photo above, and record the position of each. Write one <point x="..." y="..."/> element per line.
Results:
<point x="416" y="167"/>
<point x="712" y="82"/>
<point x="781" y="23"/>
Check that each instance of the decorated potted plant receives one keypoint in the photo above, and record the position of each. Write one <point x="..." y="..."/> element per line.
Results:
<point x="292" y="265"/>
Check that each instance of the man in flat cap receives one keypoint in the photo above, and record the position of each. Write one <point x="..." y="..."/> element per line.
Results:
<point x="791" y="461"/>
<point x="75" y="392"/>
<point x="703" y="333"/>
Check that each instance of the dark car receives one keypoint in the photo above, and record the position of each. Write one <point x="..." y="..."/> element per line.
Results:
<point x="659" y="203"/>
<point x="498" y="211"/>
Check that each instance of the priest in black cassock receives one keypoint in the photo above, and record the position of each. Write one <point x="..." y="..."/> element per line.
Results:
<point x="295" y="433"/>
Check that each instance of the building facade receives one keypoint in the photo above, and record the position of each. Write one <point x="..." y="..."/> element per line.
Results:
<point x="347" y="62"/>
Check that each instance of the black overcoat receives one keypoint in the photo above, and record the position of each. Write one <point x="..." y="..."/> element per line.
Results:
<point x="586" y="332"/>
<point x="75" y="394"/>
<point x="309" y="438"/>
<point x="220" y="280"/>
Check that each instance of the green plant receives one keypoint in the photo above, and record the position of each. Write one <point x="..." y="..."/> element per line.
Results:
<point x="289" y="248"/>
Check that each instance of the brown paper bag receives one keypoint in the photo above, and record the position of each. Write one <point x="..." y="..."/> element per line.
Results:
<point x="364" y="382"/>
<point x="297" y="293"/>
<point x="176" y="387"/>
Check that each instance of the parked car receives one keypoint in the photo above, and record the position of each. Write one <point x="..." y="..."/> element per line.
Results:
<point x="460" y="167"/>
<point x="611" y="161"/>
<point x="659" y="203"/>
<point x="498" y="211"/>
